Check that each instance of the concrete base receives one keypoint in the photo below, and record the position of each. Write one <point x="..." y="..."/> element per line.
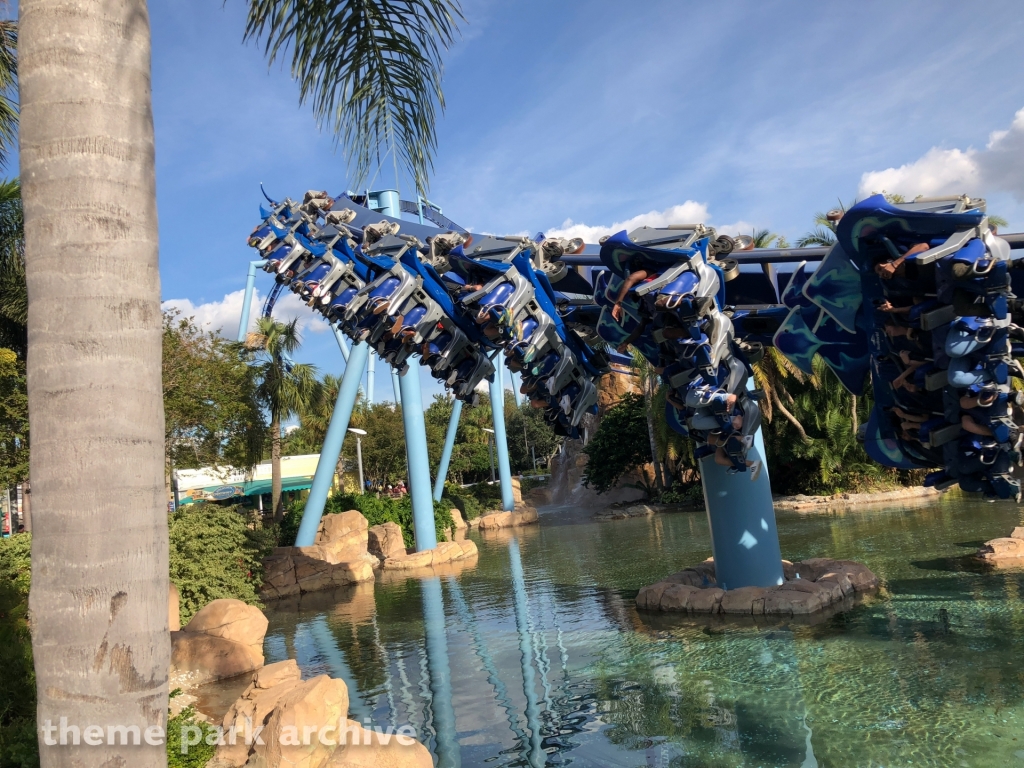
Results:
<point x="810" y="586"/>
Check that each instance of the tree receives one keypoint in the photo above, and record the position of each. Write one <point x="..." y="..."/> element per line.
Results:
<point x="13" y="294"/>
<point x="764" y="238"/>
<point x="99" y="552"/>
<point x="13" y="420"/>
<point x="8" y="87"/>
<point x="823" y="234"/>
<point x="648" y="381"/>
<point x="371" y="69"/>
<point x="212" y="414"/>
<point x="621" y="443"/>
<point x="284" y="388"/>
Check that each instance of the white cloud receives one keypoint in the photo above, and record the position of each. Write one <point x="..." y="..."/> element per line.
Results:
<point x="223" y="316"/>
<point x="690" y="212"/>
<point x="999" y="167"/>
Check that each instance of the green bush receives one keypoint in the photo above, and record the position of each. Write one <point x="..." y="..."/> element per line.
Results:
<point x="680" y="494"/>
<point x="215" y="553"/>
<point x="620" y="444"/>
<point x="384" y="509"/>
<point x="18" y="745"/>
<point x="198" y="755"/>
<point x="528" y="483"/>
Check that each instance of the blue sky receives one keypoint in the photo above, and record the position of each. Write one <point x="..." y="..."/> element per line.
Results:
<point x="582" y="115"/>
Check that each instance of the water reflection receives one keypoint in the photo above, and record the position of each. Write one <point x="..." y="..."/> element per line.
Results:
<point x="535" y="655"/>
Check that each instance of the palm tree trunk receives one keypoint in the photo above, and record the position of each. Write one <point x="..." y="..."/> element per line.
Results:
<point x="658" y="479"/>
<point x="277" y="501"/>
<point x="100" y="552"/>
<point x="26" y="506"/>
<point x="790" y="418"/>
<point x="853" y="414"/>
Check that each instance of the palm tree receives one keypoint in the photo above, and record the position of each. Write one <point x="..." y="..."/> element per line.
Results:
<point x="764" y="238"/>
<point x="371" y="70"/>
<point x="100" y="547"/>
<point x="13" y="295"/>
<point x="824" y="233"/>
<point x="8" y="86"/>
<point x="770" y="375"/>
<point x="648" y="383"/>
<point x="284" y="388"/>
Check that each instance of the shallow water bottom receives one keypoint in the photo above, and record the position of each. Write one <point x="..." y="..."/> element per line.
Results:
<point x="538" y="656"/>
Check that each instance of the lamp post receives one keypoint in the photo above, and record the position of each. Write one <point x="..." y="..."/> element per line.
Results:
<point x="359" y="433"/>
<point x="490" y="449"/>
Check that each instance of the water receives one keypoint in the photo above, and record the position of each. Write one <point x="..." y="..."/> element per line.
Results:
<point x="928" y="673"/>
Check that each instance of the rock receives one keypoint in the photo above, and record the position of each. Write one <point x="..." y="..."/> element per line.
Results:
<point x="173" y="608"/>
<point x="498" y="519"/>
<point x="315" y="712"/>
<point x="343" y="538"/>
<point x="445" y="552"/>
<point x="224" y="639"/>
<point x="1017" y="533"/>
<point x="905" y="496"/>
<point x="372" y="749"/>
<point x="197" y="658"/>
<point x="316" y="703"/>
<point x="809" y="586"/>
<point x="741" y="601"/>
<point x="1002" y="551"/>
<point x="298" y="570"/>
<point x="386" y="541"/>
<point x="517" y="491"/>
<point x="460" y="523"/>
<point x="232" y="620"/>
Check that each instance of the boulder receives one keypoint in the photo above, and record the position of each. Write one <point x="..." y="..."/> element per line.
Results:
<point x="386" y="541"/>
<point x="460" y="522"/>
<point x="173" y="608"/>
<point x="809" y="586"/>
<point x="232" y="620"/>
<point x="197" y="658"/>
<point x="373" y="749"/>
<point x="343" y="537"/>
<point x="298" y="570"/>
<point x="224" y="639"/>
<point x="517" y="491"/>
<point x="313" y="713"/>
<point x="1003" y="550"/>
<point x="316" y="703"/>
<point x="445" y="552"/>
<point x="497" y="519"/>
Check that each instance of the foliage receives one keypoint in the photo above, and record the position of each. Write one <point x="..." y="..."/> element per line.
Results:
<point x="814" y="449"/>
<point x="13" y="419"/>
<point x="620" y="444"/>
<point x="383" y="509"/>
<point x="197" y="755"/>
<point x="473" y="500"/>
<point x="211" y="412"/>
<point x="680" y="494"/>
<point x="215" y="553"/>
<point x="18" y="746"/>
<point x="526" y="429"/>
<point x="13" y="290"/>
<point x="8" y="86"/>
<point x="372" y="71"/>
<point x="383" y="445"/>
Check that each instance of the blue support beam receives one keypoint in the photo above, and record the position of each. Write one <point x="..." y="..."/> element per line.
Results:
<point x="497" y="390"/>
<point x="744" y="539"/>
<point x="250" y="283"/>
<point x="342" y="342"/>
<point x="536" y="755"/>
<point x="446" y="453"/>
<point x="396" y="386"/>
<point x="331" y="450"/>
<point x="448" y="755"/>
<point x="419" y="463"/>
<point x="515" y="388"/>
<point x="371" y="366"/>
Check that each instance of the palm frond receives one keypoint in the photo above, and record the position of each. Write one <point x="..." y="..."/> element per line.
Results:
<point x="817" y="236"/>
<point x="371" y="70"/>
<point x="8" y="87"/>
